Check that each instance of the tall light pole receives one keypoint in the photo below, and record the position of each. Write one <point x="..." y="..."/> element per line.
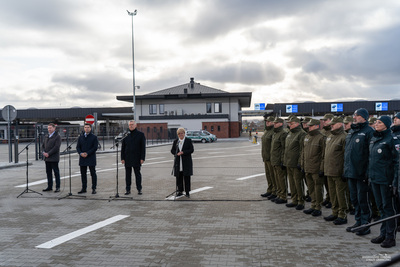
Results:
<point x="133" y="66"/>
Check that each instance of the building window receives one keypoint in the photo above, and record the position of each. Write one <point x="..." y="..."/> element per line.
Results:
<point x="148" y="129"/>
<point x="152" y="109"/>
<point x="217" y="107"/>
<point x="212" y="128"/>
<point x="161" y="107"/>
<point x="205" y="127"/>
<point x="219" y="128"/>
<point x="208" y="107"/>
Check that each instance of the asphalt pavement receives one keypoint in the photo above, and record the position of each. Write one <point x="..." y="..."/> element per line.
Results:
<point x="225" y="222"/>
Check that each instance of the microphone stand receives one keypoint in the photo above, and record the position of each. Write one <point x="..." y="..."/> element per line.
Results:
<point x="27" y="190"/>
<point x="172" y="172"/>
<point x="69" y="163"/>
<point x="117" y="196"/>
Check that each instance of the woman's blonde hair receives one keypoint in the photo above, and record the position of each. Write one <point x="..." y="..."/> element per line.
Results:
<point x="180" y="130"/>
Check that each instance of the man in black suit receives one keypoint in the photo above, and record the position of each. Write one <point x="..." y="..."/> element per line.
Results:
<point x="133" y="153"/>
<point x="182" y="149"/>
<point x="86" y="147"/>
<point x="51" y="154"/>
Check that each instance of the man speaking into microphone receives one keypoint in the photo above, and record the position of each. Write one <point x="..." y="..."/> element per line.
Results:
<point x="133" y="154"/>
<point x="86" y="148"/>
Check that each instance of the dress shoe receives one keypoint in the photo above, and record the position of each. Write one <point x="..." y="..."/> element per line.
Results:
<point x="365" y="231"/>
<point x="300" y="207"/>
<point x="340" y="221"/>
<point x="47" y="189"/>
<point x="179" y="194"/>
<point x="280" y="201"/>
<point x="187" y="195"/>
<point x="388" y="243"/>
<point x="57" y="190"/>
<point x="307" y="198"/>
<point x="309" y="211"/>
<point x="324" y="202"/>
<point x="94" y="191"/>
<point x="348" y="229"/>
<point x="291" y="205"/>
<point x="139" y="192"/>
<point x="330" y="218"/>
<point x="127" y="192"/>
<point x="329" y="205"/>
<point x="274" y="199"/>
<point x="316" y="213"/>
<point x="378" y="240"/>
<point x="266" y="194"/>
<point x="82" y="191"/>
<point x="272" y="196"/>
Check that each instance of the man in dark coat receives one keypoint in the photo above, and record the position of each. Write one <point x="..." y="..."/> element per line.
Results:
<point x="182" y="149"/>
<point x="355" y="167"/>
<point x="133" y="153"/>
<point x="86" y="148"/>
<point x="51" y="153"/>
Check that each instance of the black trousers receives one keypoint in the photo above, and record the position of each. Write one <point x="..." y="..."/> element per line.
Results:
<point x="128" y="178"/>
<point x="50" y="167"/>
<point x="92" y="170"/>
<point x="179" y="182"/>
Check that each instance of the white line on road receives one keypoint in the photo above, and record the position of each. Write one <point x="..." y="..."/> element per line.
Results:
<point x="191" y="192"/>
<point x="93" y="227"/>
<point x="249" y="177"/>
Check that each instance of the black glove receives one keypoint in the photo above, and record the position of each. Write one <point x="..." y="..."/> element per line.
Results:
<point x="321" y="174"/>
<point x="283" y="167"/>
<point x="299" y="167"/>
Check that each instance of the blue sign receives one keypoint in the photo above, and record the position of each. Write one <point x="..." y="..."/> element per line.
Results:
<point x="337" y="107"/>
<point x="291" y="108"/>
<point x="262" y="106"/>
<point x="381" y="106"/>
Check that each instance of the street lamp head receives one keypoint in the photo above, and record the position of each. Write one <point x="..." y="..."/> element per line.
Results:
<point x="132" y="13"/>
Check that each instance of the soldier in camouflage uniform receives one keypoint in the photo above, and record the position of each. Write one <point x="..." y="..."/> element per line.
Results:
<point x="326" y="130"/>
<point x="266" y="156"/>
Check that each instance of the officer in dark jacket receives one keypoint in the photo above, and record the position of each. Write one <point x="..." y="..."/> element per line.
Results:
<point x="382" y="169"/>
<point x="266" y="156"/>
<point x="86" y="147"/>
<point x="133" y="153"/>
<point x="356" y="165"/>
<point x="51" y="153"/>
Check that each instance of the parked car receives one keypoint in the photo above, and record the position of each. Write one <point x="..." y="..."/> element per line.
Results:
<point x="213" y="137"/>
<point x="198" y="136"/>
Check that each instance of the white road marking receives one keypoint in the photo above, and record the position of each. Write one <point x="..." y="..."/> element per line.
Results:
<point x="191" y="192"/>
<point x="93" y="227"/>
<point x="249" y="177"/>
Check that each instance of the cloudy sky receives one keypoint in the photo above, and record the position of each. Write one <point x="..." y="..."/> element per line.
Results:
<point x="67" y="53"/>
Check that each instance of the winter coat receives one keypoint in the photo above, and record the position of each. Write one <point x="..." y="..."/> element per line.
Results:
<point x="278" y="146"/>
<point x="133" y="148"/>
<point x="266" y="140"/>
<point x="88" y="144"/>
<point x="293" y="147"/>
<point x="383" y="158"/>
<point x="356" y="152"/>
<point x="334" y="153"/>
<point x="187" y="163"/>
<point x="51" y="145"/>
<point x="312" y="156"/>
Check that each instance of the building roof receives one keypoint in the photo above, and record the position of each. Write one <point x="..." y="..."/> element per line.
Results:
<point x="191" y="90"/>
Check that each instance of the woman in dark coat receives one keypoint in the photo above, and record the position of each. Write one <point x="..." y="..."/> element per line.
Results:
<point x="182" y="149"/>
<point x="383" y="164"/>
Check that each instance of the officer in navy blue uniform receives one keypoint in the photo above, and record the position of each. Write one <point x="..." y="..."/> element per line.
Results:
<point x="86" y="147"/>
<point x="382" y="172"/>
<point x="355" y="168"/>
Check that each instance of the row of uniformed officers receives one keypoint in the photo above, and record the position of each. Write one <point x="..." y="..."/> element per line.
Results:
<point x="355" y="158"/>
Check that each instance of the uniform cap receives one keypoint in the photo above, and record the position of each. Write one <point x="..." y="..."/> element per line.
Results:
<point x="397" y="115"/>
<point x="270" y="118"/>
<point x="362" y="112"/>
<point x="372" y="120"/>
<point x="293" y="119"/>
<point x="336" y="120"/>
<point x="307" y="119"/>
<point x="313" y="122"/>
<point x="328" y="116"/>
<point x="348" y="119"/>
<point x="277" y="119"/>
<point x="386" y="120"/>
